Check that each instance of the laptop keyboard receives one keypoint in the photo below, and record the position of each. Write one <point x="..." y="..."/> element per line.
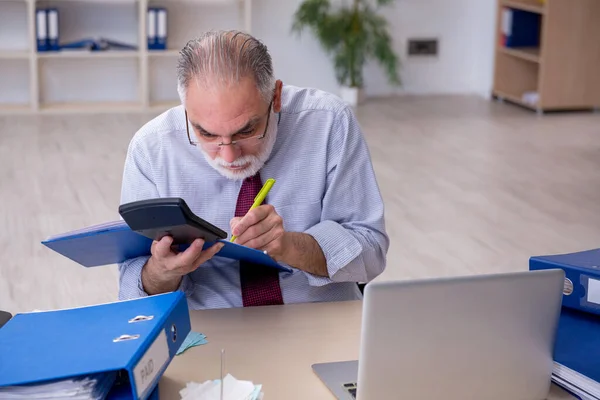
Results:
<point x="351" y="388"/>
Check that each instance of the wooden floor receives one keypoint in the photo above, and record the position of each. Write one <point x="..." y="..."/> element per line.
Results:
<point x="470" y="187"/>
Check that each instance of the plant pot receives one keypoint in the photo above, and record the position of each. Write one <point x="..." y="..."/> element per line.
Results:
<point x="353" y="96"/>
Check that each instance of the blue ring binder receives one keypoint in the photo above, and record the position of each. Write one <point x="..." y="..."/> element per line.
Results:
<point x="96" y="342"/>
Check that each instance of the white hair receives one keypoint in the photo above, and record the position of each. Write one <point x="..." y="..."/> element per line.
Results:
<point x="225" y="57"/>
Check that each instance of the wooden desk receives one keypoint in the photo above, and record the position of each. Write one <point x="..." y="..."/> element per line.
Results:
<point x="274" y="346"/>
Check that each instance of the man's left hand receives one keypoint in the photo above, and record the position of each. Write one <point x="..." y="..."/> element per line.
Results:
<point x="261" y="228"/>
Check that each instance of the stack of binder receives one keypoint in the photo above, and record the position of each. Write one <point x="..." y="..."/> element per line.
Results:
<point x="157" y="28"/>
<point x="47" y="29"/>
<point x="577" y="348"/>
<point x="111" y="351"/>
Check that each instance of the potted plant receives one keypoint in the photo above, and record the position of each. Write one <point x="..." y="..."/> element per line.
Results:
<point x="352" y="33"/>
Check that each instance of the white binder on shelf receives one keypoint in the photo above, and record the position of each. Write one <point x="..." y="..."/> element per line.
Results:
<point x="41" y="29"/>
<point x="53" y="30"/>
<point x="151" y="28"/>
<point x="161" y="28"/>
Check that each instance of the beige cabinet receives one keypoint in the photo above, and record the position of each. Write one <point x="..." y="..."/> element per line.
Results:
<point x="562" y="72"/>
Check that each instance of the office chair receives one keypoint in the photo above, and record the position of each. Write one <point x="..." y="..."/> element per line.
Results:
<point x="4" y="317"/>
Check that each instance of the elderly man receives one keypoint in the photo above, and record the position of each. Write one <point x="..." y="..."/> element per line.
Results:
<point x="237" y="126"/>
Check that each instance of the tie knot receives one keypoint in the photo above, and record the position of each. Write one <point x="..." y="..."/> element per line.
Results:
<point x="250" y="188"/>
<point x="253" y="179"/>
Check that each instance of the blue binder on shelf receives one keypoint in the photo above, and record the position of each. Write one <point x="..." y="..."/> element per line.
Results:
<point x="53" y="29"/>
<point x="157" y="28"/>
<point x="151" y="28"/>
<point x="582" y="277"/>
<point x="115" y="242"/>
<point x="520" y="28"/>
<point x="97" y="44"/>
<point x="41" y="29"/>
<point x="125" y="345"/>
<point x="577" y="353"/>
<point x="161" y="28"/>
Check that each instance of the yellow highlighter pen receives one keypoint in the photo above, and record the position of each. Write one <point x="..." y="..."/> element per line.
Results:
<point x="260" y="197"/>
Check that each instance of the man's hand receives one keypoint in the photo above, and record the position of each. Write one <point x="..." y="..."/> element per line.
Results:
<point x="165" y="268"/>
<point x="262" y="228"/>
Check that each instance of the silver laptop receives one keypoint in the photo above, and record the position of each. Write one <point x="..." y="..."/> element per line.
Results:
<point x="484" y="337"/>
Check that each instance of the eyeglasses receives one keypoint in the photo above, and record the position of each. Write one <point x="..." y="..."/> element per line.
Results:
<point x="245" y="142"/>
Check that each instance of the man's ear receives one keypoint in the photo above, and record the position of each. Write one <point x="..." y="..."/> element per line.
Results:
<point x="277" y="96"/>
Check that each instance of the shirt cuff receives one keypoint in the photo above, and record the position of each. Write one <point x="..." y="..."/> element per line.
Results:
<point x="340" y="248"/>
<point x="130" y="280"/>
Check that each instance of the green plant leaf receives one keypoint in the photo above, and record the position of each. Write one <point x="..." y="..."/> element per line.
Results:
<point x="351" y="34"/>
<point x="310" y="14"/>
<point x="381" y="45"/>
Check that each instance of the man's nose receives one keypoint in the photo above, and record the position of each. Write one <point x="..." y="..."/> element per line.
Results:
<point x="230" y="153"/>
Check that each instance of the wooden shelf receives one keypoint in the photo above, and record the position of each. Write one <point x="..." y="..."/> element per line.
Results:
<point x="515" y="99"/>
<point x="526" y="53"/>
<point x="6" y="108"/>
<point x="75" y="107"/>
<point x="117" y="2"/>
<point x="89" y="54"/>
<point x="526" y="5"/>
<point x="163" y="53"/>
<point x="14" y="55"/>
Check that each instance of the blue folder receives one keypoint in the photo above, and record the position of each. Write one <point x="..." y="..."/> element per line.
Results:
<point x="525" y="29"/>
<point x="97" y="44"/>
<point x="134" y="340"/>
<point x="115" y="242"/>
<point x="577" y="348"/>
<point x="582" y="277"/>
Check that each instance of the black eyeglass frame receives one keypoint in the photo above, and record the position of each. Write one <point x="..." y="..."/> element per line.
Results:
<point x="233" y="142"/>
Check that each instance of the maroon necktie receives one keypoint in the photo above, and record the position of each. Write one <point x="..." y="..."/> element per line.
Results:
<point x="260" y="284"/>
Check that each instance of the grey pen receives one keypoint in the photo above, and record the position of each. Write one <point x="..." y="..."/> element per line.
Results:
<point x="222" y="368"/>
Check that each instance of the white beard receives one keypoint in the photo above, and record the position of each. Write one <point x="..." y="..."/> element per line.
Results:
<point x="255" y="162"/>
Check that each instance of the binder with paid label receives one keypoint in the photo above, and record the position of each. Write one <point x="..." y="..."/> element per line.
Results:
<point x="117" y="350"/>
<point x="582" y="277"/>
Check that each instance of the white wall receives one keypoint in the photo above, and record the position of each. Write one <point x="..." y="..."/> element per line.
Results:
<point x="465" y="29"/>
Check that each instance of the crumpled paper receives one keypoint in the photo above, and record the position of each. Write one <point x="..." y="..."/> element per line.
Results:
<point x="233" y="389"/>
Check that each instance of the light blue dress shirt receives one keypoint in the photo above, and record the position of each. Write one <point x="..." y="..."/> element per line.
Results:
<point x="326" y="187"/>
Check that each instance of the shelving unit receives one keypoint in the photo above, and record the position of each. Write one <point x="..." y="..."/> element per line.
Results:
<point x="73" y="81"/>
<point x="535" y="6"/>
<point x="562" y="72"/>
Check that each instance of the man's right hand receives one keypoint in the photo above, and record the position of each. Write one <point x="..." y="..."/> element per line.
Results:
<point x="165" y="267"/>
